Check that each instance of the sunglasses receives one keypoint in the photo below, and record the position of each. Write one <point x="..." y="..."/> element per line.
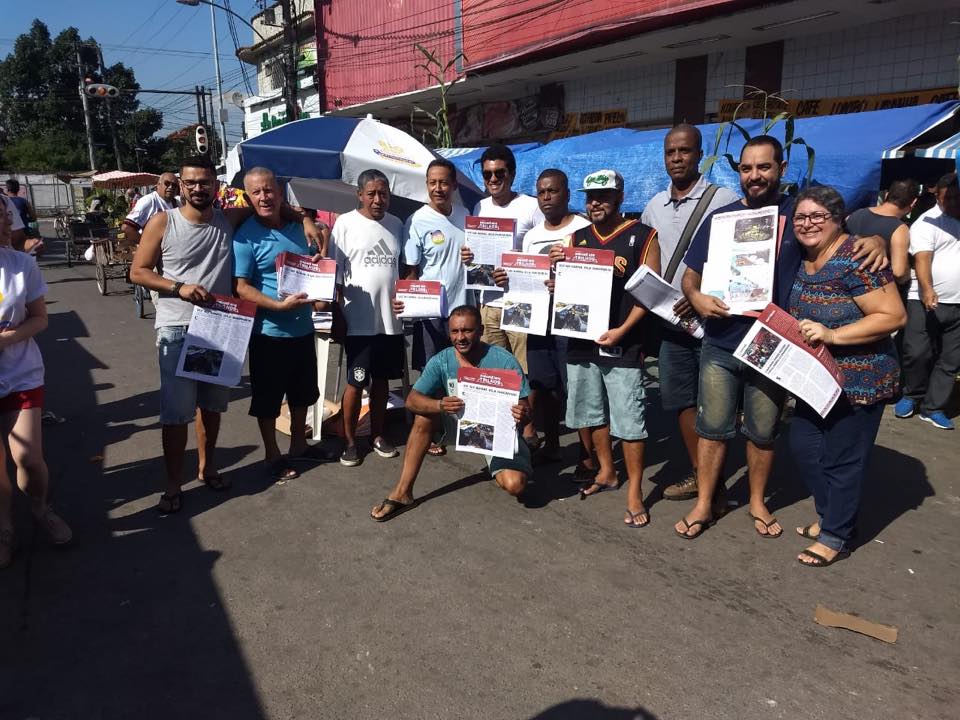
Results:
<point x="499" y="173"/>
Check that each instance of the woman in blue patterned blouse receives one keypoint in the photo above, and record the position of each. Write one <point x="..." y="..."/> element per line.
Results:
<point x="853" y="311"/>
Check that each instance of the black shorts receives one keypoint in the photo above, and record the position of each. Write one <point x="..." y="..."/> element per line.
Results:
<point x="281" y="366"/>
<point x="547" y="362"/>
<point x="377" y="357"/>
<point x="429" y="337"/>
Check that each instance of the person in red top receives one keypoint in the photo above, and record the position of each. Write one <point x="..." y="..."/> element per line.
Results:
<point x="605" y="390"/>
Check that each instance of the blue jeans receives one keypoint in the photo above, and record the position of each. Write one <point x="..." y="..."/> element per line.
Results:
<point x="832" y="453"/>
<point x="724" y="383"/>
<point x="679" y="365"/>
<point x="180" y="397"/>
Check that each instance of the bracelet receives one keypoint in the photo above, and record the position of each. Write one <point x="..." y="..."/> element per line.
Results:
<point x="176" y="288"/>
<point x="440" y="406"/>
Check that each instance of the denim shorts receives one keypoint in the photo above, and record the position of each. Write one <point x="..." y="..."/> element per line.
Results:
<point x="679" y="365"/>
<point x="180" y="397"/>
<point x="726" y="386"/>
<point x="614" y="396"/>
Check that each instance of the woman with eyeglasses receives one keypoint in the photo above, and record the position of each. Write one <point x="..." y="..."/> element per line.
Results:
<point x="853" y="311"/>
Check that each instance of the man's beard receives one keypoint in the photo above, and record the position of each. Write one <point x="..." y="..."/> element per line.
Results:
<point x="200" y="205"/>
<point x="770" y="194"/>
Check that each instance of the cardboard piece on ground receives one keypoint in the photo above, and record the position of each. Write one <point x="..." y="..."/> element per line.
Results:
<point x="832" y="618"/>
<point x="283" y="422"/>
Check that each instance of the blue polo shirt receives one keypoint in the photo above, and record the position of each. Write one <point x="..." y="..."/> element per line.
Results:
<point x="728" y="332"/>
<point x="255" y="250"/>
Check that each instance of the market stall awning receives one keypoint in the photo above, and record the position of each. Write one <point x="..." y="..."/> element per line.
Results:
<point x="120" y="180"/>
<point x="921" y="136"/>
<point x="945" y="150"/>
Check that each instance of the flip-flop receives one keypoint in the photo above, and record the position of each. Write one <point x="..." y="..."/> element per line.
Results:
<point x="394" y="508"/>
<point x="704" y="524"/>
<point x="819" y="561"/>
<point x="633" y="524"/>
<point x="767" y="535"/>
<point x="281" y="470"/>
<point x="174" y="503"/>
<point x="436" y="450"/>
<point x="216" y="482"/>
<point x="582" y="473"/>
<point x="805" y="532"/>
<point x="603" y="487"/>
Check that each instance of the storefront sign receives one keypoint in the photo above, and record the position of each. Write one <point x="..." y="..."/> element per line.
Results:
<point x="813" y="107"/>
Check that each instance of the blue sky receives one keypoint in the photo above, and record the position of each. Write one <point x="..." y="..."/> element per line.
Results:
<point x="169" y="46"/>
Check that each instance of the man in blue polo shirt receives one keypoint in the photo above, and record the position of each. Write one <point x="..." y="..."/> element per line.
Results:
<point x="724" y="380"/>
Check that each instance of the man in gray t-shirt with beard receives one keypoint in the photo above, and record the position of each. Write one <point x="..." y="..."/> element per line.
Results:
<point x="186" y="255"/>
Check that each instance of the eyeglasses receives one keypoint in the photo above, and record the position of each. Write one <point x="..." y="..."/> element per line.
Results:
<point x="817" y="218"/>
<point x="191" y="184"/>
<point x="499" y="173"/>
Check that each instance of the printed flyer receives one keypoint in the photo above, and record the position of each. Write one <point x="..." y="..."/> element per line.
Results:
<point x="421" y="299"/>
<point x="659" y="297"/>
<point x="300" y="274"/>
<point x="488" y="239"/>
<point x="526" y="303"/>
<point x="216" y="341"/>
<point x="581" y="294"/>
<point x="487" y="426"/>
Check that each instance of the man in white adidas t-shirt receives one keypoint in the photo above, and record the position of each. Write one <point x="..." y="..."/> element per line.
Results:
<point x="499" y="168"/>
<point x="366" y="245"/>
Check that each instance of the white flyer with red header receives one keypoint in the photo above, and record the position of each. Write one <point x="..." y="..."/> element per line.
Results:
<point x="298" y="274"/>
<point x="526" y="303"/>
<point x="421" y="299"/>
<point x="488" y="239"/>
<point x="486" y="425"/>
<point x="216" y="341"/>
<point x="581" y="295"/>
<point x="774" y="347"/>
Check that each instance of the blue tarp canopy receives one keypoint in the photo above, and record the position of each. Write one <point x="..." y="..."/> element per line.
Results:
<point x="849" y="151"/>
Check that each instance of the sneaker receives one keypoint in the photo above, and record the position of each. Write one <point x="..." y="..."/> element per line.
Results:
<point x="382" y="448"/>
<point x="8" y="543"/>
<point x="59" y="532"/>
<point x="937" y="419"/>
<point x="905" y="407"/>
<point x="349" y="456"/>
<point x="683" y="490"/>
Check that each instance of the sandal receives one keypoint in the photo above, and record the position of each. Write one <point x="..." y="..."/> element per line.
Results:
<point x="170" y="504"/>
<point x="583" y="474"/>
<point x="600" y="488"/>
<point x="215" y="482"/>
<point x="436" y="450"/>
<point x="819" y="561"/>
<point x="688" y="526"/>
<point x="805" y="532"/>
<point x="394" y="508"/>
<point x="766" y="535"/>
<point x="281" y="470"/>
<point x="633" y="522"/>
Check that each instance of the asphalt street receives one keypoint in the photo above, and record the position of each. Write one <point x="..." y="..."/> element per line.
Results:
<point x="286" y="601"/>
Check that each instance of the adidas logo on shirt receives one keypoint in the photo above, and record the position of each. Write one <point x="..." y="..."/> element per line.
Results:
<point x="379" y="255"/>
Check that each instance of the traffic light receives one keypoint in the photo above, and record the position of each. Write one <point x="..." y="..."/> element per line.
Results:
<point x="101" y="91"/>
<point x="201" y="137"/>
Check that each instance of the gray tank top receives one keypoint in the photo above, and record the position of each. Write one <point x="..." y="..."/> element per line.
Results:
<point x="194" y="254"/>
<point x="864" y="223"/>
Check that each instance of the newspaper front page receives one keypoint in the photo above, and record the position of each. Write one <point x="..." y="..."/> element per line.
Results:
<point x="741" y="263"/>
<point x="488" y="239"/>
<point x="581" y="294"/>
<point x="421" y="299"/>
<point x="300" y="274"/>
<point x="774" y="347"/>
<point x="487" y="426"/>
<point x="659" y="297"/>
<point x="526" y="304"/>
<point x="216" y="341"/>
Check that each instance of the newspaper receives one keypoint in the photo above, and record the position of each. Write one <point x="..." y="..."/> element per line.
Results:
<point x="322" y="321"/>
<point x="773" y="346"/>
<point x="742" y="258"/>
<point x="300" y="274"/>
<point x="526" y="304"/>
<point x="487" y="239"/>
<point x="659" y="297"/>
<point x="487" y="426"/>
<point x="216" y="341"/>
<point x="421" y="299"/>
<point x="581" y="293"/>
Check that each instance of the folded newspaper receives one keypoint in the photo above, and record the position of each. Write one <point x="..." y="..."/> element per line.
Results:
<point x="322" y="321"/>
<point x="487" y="426"/>
<point x="774" y="347"/>
<point x="659" y="297"/>
<point x="216" y="341"/>
<point x="421" y="299"/>
<point x="298" y="274"/>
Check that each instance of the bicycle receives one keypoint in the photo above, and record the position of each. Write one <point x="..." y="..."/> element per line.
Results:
<point x="140" y="296"/>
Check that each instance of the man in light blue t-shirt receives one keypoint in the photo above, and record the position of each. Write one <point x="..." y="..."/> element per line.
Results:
<point x="283" y="358"/>
<point x="434" y="403"/>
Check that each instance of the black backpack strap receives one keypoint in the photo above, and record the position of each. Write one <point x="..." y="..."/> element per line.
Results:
<point x="689" y="229"/>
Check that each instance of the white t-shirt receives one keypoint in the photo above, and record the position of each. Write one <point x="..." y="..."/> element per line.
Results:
<point x="148" y="206"/>
<point x="525" y="210"/>
<point x="367" y="254"/>
<point x="540" y="240"/>
<point x="16" y="222"/>
<point x="21" y="366"/>
<point x="934" y="231"/>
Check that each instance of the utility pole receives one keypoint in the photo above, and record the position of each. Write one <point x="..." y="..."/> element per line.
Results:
<point x="216" y="65"/>
<point x="290" y="61"/>
<point x="86" y="111"/>
<point x="113" y="128"/>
